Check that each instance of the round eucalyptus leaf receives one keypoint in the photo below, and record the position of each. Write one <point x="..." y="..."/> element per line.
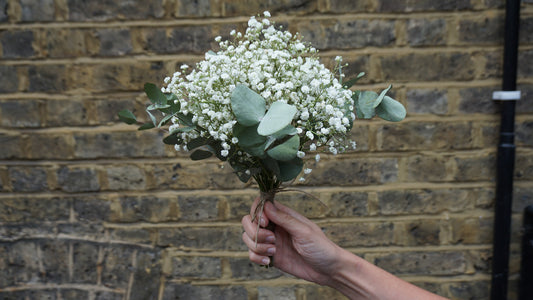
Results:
<point x="277" y="118"/>
<point x="200" y="154"/>
<point x="391" y="110"/>
<point x="285" y="151"/>
<point x="290" y="169"/>
<point x="127" y="117"/>
<point x="247" y="135"/>
<point x="247" y="105"/>
<point x="154" y="94"/>
<point x="172" y="139"/>
<point x="365" y="104"/>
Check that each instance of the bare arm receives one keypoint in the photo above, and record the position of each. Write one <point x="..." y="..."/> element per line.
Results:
<point x="300" y="248"/>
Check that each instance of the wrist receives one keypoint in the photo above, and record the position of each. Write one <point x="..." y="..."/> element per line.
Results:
<point x="348" y="276"/>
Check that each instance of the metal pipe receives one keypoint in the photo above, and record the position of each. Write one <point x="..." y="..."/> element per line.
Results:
<point x="506" y="157"/>
<point x="526" y="266"/>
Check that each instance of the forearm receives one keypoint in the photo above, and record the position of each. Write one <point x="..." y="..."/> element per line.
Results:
<point x="358" y="279"/>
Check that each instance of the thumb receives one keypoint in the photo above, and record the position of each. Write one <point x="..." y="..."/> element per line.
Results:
<point x="285" y="217"/>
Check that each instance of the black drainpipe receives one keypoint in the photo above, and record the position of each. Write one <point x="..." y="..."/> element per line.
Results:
<point x="506" y="154"/>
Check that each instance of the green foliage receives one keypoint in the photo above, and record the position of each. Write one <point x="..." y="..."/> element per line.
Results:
<point x="200" y="154"/>
<point x="290" y="169"/>
<point x="127" y="116"/>
<point x="369" y="104"/>
<point x="391" y="110"/>
<point x="286" y="150"/>
<point x="248" y="106"/>
<point x="278" y="117"/>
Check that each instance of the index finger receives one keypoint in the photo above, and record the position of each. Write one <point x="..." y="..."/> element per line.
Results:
<point x="261" y="217"/>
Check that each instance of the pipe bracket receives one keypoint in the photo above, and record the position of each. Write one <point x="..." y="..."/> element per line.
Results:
<point x="506" y="95"/>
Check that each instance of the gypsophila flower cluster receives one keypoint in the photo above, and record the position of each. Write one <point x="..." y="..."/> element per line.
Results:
<point x="280" y="67"/>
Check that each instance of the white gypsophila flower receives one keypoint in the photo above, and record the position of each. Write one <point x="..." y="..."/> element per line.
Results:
<point x="277" y="65"/>
<point x="300" y="154"/>
<point x="307" y="171"/>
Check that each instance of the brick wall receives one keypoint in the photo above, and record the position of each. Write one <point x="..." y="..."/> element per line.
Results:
<point x="93" y="209"/>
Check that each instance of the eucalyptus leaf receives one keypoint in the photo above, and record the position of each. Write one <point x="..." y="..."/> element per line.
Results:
<point x="146" y="126"/>
<point x="247" y="105"/>
<point x="290" y="169"/>
<point x="271" y="165"/>
<point x="173" y="139"/>
<point x="348" y="84"/>
<point x="277" y="118"/>
<point x="157" y="106"/>
<point x="288" y="130"/>
<point x="285" y="151"/>
<point x="247" y="135"/>
<point x="152" y="117"/>
<point x="127" y="117"/>
<point x="197" y="142"/>
<point x="255" y="150"/>
<point x="381" y="96"/>
<point x="200" y="154"/>
<point x="154" y="94"/>
<point x="365" y="104"/>
<point x="391" y="110"/>
<point x="164" y="120"/>
<point x="185" y="119"/>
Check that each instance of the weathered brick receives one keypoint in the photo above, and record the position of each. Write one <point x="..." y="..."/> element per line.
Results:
<point x="146" y="275"/>
<point x="524" y="69"/>
<point x="196" y="267"/>
<point x="81" y="230"/>
<point x="117" y="265"/>
<point x="476" y="168"/>
<point x="469" y="289"/>
<point x="41" y="10"/>
<point x="414" y="66"/>
<point x="477" y="100"/>
<point x="418" y="233"/>
<point x="17" y="43"/>
<point x="9" y="82"/>
<point x="250" y="7"/>
<point x="425" y="5"/>
<point x="188" y="291"/>
<point x="471" y="230"/>
<point x="28" y="179"/>
<point x="145" y="208"/>
<point x="106" y="295"/>
<point x="183" y="175"/>
<point x="524" y="166"/>
<point x="118" y="76"/>
<point x="107" y="109"/>
<point x="522" y="197"/>
<point x="85" y="259"/>
<point x="44" y="145"/>
<point x="201" y="8"/>
<point x="338" y="34"/>
<point x="524" y="133"/>
<point x="427" y="101"/>
<point x="19" y="113"/>
<point x="481" y="30"/>
<point x="360" y="234"/>
<point x="55" y="254"/>
<point x="118" y="144"/>
<point x="80" y="10"/>
<point x="91" y="208"/>
<point x="425" y="135"/>
<point x="23" y="260"/>
<point x="213" y="238"/>
<point x="114" y="42"/>
<point x="3" y="11"/>
<point x="494" y="3"/>
<point x="523" y="107"/>
<point x="11" y="145"/>
<point x="345" y="6"/>
<point x="125" y="177"/>
<point x="189" y="39"/>
<point x="136" y="235"/>
<point x="423" y="263"/>
<point x="78" y="179"/>
<point x="357" y="171"/>
<point x="276" y="292"/>
<point x="198" y="208"/>
<point x="243" y="269"/>
<point x="62" y="43"/>
<point x="74" y="294"/>
<point x="32" y="210"/>
<point x="29" y="294"/>
<point x="70" y="112"/>
<point x="526" y="28"/>
<point x="10" y="232"/>
<point x="347" y="204"/>
<point x="427" y="201"/>
<point x="356" y="65"/>
<point x="426" y="32"/>
<point x="493" y="67"/>
<point x="47" y="78"/>
<point x="318" y="292"/>
<point x="428" y="168"/>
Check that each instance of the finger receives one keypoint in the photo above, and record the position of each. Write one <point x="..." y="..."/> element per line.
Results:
<point x="260" y="249"/>
<point x="260" y="215"/>
<point x="293" y="213"/>
<point x="291" y="222"/>
<point x="258" y="259"/>
<point x="263" y="236"/>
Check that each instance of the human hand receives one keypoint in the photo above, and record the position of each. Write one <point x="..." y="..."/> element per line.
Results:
<point x="298" y="245"/>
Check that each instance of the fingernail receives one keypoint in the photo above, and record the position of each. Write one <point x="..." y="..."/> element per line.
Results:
<point x="262" y="222"/>
<point x="271" y="251"/>
<point x="265" y="261"/>
<point x="270" y="239"/>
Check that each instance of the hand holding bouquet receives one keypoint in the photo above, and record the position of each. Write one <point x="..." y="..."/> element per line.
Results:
<point x="262" y="102"/>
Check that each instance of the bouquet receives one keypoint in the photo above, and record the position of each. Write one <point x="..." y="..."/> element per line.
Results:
<point x="262" y="102"/>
